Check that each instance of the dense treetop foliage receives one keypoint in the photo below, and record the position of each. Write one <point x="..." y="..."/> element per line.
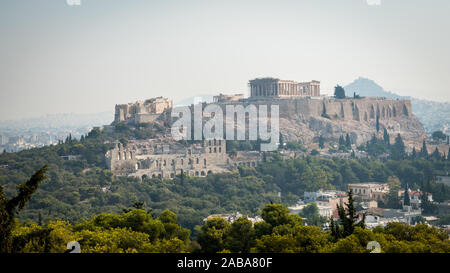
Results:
<point x="76" y="190"/>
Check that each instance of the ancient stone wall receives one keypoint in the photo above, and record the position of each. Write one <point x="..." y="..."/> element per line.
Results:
<point x="165" y="159"/>
<point x="142" y="111"/>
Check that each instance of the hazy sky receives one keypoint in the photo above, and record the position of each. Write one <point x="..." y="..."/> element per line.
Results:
<point x="58" y="58"/>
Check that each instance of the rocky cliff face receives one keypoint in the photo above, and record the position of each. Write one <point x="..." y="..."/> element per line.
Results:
<point x="332" y="118"/>
<point x="305" y="119"/>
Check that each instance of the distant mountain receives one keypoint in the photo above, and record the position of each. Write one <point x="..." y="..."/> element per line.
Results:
<point x="190" y="100"/>
<point x="433" y="115"/>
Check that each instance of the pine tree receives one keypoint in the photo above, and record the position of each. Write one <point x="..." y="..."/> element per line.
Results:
<point x="9" y="207"/>
<point x="414" y="153"/>
<point x="347" y="218"/>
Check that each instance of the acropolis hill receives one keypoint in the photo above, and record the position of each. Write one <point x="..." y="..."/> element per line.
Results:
<point x="304" y="113"/>
<point x="304" y="116"/>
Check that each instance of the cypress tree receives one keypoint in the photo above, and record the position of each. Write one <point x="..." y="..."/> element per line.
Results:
<point x="406" y="200"/>
<point x="436" y="155"/>
<point x="386" y="137"/>
<point x="348" y="142"/>
<point x="341" y="141"/>
<point x="398" y="150"/>
<point x="424" y="150"/>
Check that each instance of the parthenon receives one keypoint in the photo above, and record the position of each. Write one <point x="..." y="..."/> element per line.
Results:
<point x="272" y="87"/>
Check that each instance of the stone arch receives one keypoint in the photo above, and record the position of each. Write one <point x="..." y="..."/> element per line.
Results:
<point x="153" y="175"/>
<point x="172" y="175"/>
<point x="159" y="175"/>
<point x="203" y="173"/>
<point x="196" y="173"/>
<point x="210" y="172"/>
<point x="365" y="116"/>
<point x="144" y="177"/>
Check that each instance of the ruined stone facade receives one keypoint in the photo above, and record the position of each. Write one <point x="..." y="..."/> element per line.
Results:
<point x="142" y="111"/>
<point x="276" y="88"/>
<point x="165" y="158"/>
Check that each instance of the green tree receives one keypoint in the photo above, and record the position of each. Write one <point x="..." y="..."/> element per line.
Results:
<point x="241" y="237"/>
<point x="311" y="213"/>
<point x="392" y="198"/>
<point x="436" y="155"/>
<point x="321" y="142"/>
<point x="348" y="142"/>
<point x="9" y="207"/>
<point x="277" y="214"/>
<point x="398" y="149"/>
<point x="348" y="219"/>
<point x="424" y="150"/>
<point x="439" y="135"/>
<point x="406" y="200"/>
<point x="386" y="137"/>
<point x="213" y="234"/>
<point x="339" y="92"/>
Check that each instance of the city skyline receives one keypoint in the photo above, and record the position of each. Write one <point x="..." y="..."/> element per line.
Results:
<point x="59" y="58"/>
